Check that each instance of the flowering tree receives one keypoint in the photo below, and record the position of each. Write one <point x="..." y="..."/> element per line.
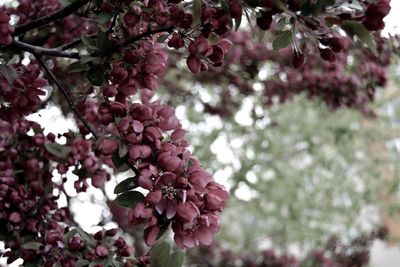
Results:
<point x="103" y="60"/>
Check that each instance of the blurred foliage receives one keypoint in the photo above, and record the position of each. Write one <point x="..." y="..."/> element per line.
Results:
<point x="298" y="172"/>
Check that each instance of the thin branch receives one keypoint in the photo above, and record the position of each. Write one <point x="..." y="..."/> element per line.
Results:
<point x="37" y="50"/>
<point x="66" y="95"/>
<point x="74" y="43"/>
<point x="66" y="11"/>
<point x="145" y="34"/>
<point x="113" y="22"/>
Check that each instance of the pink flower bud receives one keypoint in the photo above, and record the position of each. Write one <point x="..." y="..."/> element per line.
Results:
<point x="101" y="251"/>
<point x="150" y="235"/>
<point x="118" y="109"/>
<point x="110" y="90"/>
<point x="108" y="147"/>
<point x="131" y="19"/>
<point x="236" y="10"/>
<point x="193" y="63"/>
<point x="75" y="243"/>
<point x="176" y="41"/>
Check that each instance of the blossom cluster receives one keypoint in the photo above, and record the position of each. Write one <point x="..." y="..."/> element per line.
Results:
<point x="6" y="30"/>
<point x="21" y="93"/>
<point x="179" y="189"/>
<point x="66" y="29"/>
<point x="32" y="223"/>
<point x="334" y="82"/>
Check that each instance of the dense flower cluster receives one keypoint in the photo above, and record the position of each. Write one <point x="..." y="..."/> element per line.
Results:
<point x="141" y="68"/>
<point x="20" y="94"/>
<point x="180" y="190"/>
<point x="60" y="32"/>
<point x="32" y="223"/>
<point x="335" y="83"/>
<point x="269" y="13"/>
<point x="5" y="28"/>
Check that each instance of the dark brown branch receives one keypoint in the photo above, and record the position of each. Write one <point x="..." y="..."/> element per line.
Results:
<point x="129" y="41"/>
<point x="74" y="43"/>
<point x="37" y="50"/>
<point x="66" y="95"/>
<point x="66" y="11"/>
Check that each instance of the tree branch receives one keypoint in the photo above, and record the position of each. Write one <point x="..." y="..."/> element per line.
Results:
<point x="145" y="34"/>
<point x="36" y="50"/>
<point x="66" y="95"/>
<point x="74" y="43"/>
<point x="66" y="11"/>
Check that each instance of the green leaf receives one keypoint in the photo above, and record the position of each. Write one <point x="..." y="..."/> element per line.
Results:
<point x="282" y="6"/>
<point x="117" y="161"/>
<point x="86" y="59"/>
<point x="238" y="21"/>
<point x="103" y="44"/>
<point x="81" y="263"/>
<point x="68" y="235"/>
<point x="305" y="9"/>
<point x="96" y="76"/>
<point x="126" y="185"/>
<point x="129" y="199"/>
<point x="282" y="40"/>
<point x="87" y="41"/>
<point x="9" y="73"/>
<point x="123" y="149"/>
<point x="354" y="28"/>
<point x="77" y="67"/>
<point x="81" y="173"/>
<point x="104" y="17"/>
<point x="176" y="259"/>
<point x="58" y="150"/>
<point x="64" y="3"/>
<point x="196" y="12"/>
<point x="320" y="5"/>
<point x="160" y="255"/>
<point x="32" y="245"/>
<point x="162" y="38"/>
<point x="85" y="236"/>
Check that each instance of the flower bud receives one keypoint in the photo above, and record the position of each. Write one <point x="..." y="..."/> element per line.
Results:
<point x="108" y="147"/>
<point x="75" y="243"/>
<point x="101" y="251"/>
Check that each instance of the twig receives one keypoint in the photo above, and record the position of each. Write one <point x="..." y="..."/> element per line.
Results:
<point x="145" y="34"/>
<point x="37" y="50"/>
<point x="113" y="22"/>
<point x="74" y="43"/>
<point x="66" y="95"/>
<point x="66" y="11"/>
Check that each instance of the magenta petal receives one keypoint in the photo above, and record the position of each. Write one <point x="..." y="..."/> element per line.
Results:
<point x="145" y="182"/>
<point x="168" y="178"/>
<point x="179" y="241"/>
<point x="204" y="237"/>
<point x="154" y="197"/>
<point x="188" y="241"/>
<point x="171" y="208"/>
<point x="150" y="235"/>
<point x="173" y="164"/>
<point x="187" y="211"/>
<point x="160" y="206"/>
